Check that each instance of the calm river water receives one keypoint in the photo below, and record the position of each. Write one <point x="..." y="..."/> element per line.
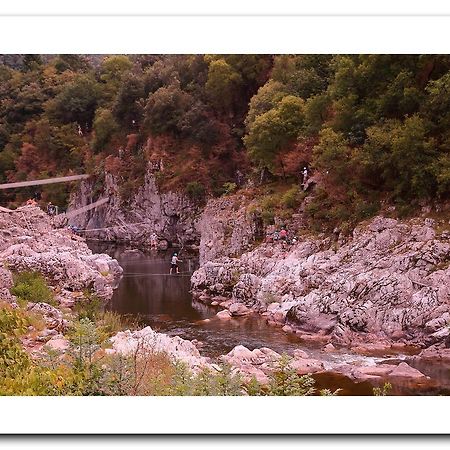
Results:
<point x="149" y="294"/>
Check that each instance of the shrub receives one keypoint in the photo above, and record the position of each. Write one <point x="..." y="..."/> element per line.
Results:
<point x="290" y="197"/>
<point x="32" y="287"/>
<point x="229" y="188"/>
<point x="89" y="307"/>
<point x="382" y="391"/>
<point x="196" y="191"/>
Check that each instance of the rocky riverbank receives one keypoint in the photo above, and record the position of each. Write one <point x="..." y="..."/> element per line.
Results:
<point x="386" y="288"/>
<point x="250" y="285"/>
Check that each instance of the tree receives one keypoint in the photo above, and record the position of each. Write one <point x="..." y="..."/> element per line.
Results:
<point x="402" y="155"/>
<point x="112" y="70"/>
<point x="267" y="97"/>
<point x="223" y="82"/>
<point x="104" y="127"/>
<point x="128" y="103"/>
<point x="77" y="102"/>
<point x="165" y="109"/>
<point x="272" y="131"/>
<point x="75" y="63"/>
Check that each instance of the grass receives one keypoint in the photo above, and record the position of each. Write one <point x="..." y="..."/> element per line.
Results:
<point x="32" y="287"/>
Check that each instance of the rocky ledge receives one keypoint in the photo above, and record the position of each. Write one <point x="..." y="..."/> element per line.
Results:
<point x="29" y="242"/>
<point x="388" y="285"/>
<point x="146" y="340"/>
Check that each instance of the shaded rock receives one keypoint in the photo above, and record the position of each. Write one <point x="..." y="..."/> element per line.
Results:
<point x="238" y="309"/>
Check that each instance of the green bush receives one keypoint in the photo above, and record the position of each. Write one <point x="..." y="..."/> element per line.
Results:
<point x="195" y="190"/>
<point x="229" y="188"/>
<point x="90" y="306"/>
<point x="32" y="287"/>
<point x="291" y="198"/>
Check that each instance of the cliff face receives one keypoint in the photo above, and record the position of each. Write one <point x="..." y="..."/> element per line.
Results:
<point x="227" y="228"/>
<point x="170" y="215"/>
<point x="390" y="280"/>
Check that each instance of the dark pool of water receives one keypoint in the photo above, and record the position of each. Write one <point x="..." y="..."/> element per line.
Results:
<point x="148" y="294"/>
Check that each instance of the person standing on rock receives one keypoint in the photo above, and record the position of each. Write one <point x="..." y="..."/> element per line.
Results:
<point x="174" y="263"/>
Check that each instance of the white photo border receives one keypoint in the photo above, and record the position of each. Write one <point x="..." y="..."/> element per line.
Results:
<point x="174" y="415"/>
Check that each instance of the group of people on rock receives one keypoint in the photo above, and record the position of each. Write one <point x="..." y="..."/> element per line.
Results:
<point x="280" y="235"/>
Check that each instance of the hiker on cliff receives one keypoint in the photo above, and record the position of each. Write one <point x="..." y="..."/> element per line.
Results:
<point x="51" y="210"/>
<point x="174" y="263"/>
<point x="154" y="241"/>
<point x="283" y="236"/>
<point x="304" y="177"/>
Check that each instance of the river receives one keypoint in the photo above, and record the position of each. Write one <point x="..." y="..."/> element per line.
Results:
<point x="149" y="295"/>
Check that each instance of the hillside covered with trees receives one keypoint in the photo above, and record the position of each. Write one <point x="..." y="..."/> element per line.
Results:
<point x="373" y="129"/>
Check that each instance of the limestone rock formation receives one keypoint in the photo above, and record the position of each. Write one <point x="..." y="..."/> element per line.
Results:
<point x="170" y="215"/>
<point x="391" y="280"/>
<point x="30" y="243"/>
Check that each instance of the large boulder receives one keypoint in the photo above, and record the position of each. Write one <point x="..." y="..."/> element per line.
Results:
<point x="146" y="340"/>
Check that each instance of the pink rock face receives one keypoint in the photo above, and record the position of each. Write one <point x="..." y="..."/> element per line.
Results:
<point x="386" y="282"/>
<point x="238" y="309"/>
<point x="58" y="344"/>
<point x="373" y="349"/>
<point x="380" y="371"/>
<point x="306" y="366"/>
<point x="320" y="338"/>
<point x="403" y="370"/>
<point x="433" y="353"/>
<point x="298" y="354"/>
<point x="223" y="315"/>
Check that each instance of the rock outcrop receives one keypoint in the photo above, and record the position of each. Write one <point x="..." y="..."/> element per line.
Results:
<point x="30" y="243"/>
<point x="146" y="340"/>
<point x="227" y="228"/>
<point x="170" y="215"/>
<point x="391" y="280"/>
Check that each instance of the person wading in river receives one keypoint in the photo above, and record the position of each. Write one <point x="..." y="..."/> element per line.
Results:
<point x="174" y="263"/>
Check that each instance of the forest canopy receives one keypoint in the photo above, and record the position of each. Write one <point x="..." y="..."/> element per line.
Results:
<point x="374" y="127"/>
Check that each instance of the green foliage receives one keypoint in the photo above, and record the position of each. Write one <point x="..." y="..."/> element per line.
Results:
<point x="90" y="306"/>
<point x="271" y="132"/>
<point x="223" y="81"/>
<point x="382" y="391"/>
<point x="12" y="321"/>
<point x="166" y="108"/>
<point x="379" y="124"/>
<point x="85" y="338"/>
<point x="104" y="127"/>
<point x="196" y="191"/>
<point x="229" y="187"/>
<point x="77" y="102"/>
<point x="32" y="287"/>
<point x="285" y="380"/>
<point x="128" y="104"/>
<point x="332" y="155"/>
<point x="112" y="71"/>
<point x="291" y="198"/>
